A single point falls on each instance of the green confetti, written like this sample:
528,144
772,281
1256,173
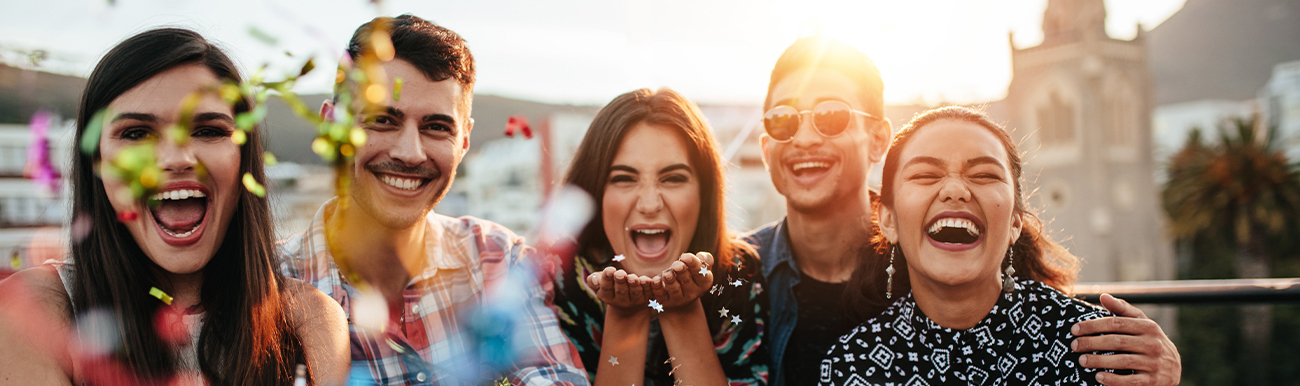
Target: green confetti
253,187
16,262
397,89
307,67
269,159
261,36
157,293
90,139
245,121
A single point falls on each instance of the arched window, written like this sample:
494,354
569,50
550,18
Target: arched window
1121,113
1056,121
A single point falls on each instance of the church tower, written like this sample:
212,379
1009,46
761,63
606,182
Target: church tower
1080,105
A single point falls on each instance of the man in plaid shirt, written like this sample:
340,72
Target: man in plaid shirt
425,293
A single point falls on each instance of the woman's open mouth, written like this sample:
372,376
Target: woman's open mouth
955,231
651,243
179,214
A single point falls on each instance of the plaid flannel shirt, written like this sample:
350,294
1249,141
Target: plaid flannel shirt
468,259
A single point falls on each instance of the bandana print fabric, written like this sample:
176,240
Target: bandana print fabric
1024,340
735,308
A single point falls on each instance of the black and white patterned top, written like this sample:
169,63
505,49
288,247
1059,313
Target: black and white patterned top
1024,340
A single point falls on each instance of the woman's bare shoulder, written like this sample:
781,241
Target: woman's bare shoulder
34,320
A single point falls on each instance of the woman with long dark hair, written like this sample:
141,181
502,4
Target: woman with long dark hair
177,262
667,292
966,285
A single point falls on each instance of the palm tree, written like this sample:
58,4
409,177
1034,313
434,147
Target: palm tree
1240,191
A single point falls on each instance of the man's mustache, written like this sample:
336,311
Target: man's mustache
396,168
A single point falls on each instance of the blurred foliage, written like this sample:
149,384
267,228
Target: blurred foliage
1228,201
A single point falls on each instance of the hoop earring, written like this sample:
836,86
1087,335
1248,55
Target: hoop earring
889,273
1008,278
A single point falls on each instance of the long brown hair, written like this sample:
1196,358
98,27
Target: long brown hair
591,164
246,337
1037,257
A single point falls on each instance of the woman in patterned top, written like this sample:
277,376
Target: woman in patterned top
973,284
636,311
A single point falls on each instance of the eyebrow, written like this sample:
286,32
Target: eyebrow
440,117
673,167
623,168
136,117
205,117
970,163
926,160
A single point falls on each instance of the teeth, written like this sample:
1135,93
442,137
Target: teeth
179,194
183,234
953,222
807,165
650,231
401,183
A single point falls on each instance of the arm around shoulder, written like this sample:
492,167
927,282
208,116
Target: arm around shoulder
34,329
320,323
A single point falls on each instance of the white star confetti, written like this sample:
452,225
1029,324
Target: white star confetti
735,319
618,258
613,360
735,283
655,305
704,270
723,312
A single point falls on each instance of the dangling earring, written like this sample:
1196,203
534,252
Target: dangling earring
889,274
1008,280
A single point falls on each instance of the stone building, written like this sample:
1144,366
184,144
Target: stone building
1080,105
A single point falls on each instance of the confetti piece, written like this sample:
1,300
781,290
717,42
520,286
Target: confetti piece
704,270
517,123
157,293
357,137
253,187
382,44
149,177
736,283
735,319
397,89
269,159
370,310
723,312
375,93
307,67
16,262
238,137
127,216
97,332
261,36
613,360
90,139
618,258
80,227
170,324
300,375
655,305
39,168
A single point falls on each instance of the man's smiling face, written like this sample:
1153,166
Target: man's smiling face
813,171
412,148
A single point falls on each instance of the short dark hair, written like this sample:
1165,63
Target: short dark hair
437,52
823,53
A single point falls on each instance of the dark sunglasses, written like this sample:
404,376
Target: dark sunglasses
830,118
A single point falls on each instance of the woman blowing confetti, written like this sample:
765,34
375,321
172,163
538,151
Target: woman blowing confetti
173,281
639,308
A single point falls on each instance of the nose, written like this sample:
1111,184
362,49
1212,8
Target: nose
174,158
806,136
408,149
649,200
954,189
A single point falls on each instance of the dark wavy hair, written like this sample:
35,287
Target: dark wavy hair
246,338
590,169
1037,257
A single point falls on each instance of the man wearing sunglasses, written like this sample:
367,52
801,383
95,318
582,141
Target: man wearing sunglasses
824,128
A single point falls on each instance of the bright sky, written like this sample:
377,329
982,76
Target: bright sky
588,51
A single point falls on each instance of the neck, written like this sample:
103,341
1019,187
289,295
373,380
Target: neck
825,241
382,257
185,289
957,307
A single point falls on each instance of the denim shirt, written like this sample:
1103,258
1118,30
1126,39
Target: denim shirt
782,274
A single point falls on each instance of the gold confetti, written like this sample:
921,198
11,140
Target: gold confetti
251,184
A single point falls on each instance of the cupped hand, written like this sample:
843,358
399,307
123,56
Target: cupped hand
618,288
684,281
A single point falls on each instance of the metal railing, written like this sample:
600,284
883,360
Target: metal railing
1234,291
